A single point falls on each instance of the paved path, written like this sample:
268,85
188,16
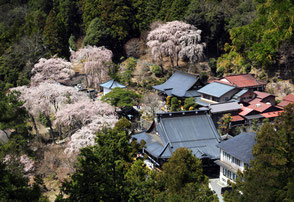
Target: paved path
215,186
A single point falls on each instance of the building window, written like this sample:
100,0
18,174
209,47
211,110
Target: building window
236,161
229,174
215,99
206,96
226,156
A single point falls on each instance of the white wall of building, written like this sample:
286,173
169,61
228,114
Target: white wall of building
233,162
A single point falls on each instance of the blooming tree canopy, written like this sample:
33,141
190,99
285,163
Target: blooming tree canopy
48,98
53,69
75,113
84,118
96,62
174,39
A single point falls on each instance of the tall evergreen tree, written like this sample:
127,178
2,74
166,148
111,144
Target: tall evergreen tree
54,36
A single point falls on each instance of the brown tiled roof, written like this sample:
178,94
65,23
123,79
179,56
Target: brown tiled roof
243,80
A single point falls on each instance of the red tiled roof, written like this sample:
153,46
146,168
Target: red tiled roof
255,101
260,107
284,104
262,95
243,80
271,114
237,118
245,111
289,98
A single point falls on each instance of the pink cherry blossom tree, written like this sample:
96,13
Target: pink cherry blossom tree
53,69
87,134
96,62
47,99
169,39
74,116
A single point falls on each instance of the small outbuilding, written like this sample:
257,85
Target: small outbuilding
109,85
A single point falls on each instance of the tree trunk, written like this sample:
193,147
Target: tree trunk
172,62
177,60
51,132
34,125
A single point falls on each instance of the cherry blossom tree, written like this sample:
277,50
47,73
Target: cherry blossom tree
74,116
87,134
53,69
74,112
192,48
96,62
47,99
172,38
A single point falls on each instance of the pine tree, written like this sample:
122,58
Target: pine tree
54,36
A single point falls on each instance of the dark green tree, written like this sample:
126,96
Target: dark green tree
55,37
182,179
98,34
101,169
13,122
174,104
118,16
145,13
121,97
190,104
15,187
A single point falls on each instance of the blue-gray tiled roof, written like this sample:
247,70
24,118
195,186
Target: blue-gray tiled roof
242,92
216,89
193,131
178,84
240,146
111,84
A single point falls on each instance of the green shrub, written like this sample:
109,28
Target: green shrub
131,63
212,65
220,71
174,104
203,77
156,70
190,103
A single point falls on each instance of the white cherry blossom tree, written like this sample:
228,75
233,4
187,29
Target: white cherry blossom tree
96,62
52,70
175,39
